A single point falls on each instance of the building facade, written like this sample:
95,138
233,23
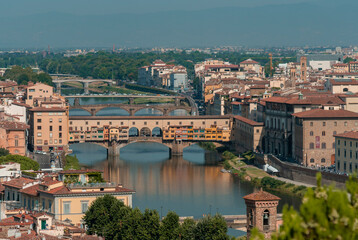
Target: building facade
13,137
346,152
314,135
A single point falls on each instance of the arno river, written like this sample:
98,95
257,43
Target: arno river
191,185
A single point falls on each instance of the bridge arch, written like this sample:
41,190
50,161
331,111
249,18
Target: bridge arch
141,111
112,111
79,112
157,132
133,132
145,132
179,112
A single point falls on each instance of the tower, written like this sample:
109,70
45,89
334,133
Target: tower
261,212
271,66
303,63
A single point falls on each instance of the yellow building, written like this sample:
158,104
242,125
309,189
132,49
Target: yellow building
68,199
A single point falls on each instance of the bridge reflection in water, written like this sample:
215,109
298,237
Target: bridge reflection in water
191,185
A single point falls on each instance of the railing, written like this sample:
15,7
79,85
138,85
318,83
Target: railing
90,185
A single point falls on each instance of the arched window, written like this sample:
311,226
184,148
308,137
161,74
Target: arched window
323,160
323,133
266,218
311,145
345,89
312,160
251,217
311,133
334,132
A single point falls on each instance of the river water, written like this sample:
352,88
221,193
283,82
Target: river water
191,185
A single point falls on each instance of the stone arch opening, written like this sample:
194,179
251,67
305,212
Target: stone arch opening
79,112
112,111
157,132
179,112
266,218
149,111
145,132
133,132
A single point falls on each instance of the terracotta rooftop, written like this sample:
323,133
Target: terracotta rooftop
351,135
64,190
13,125
320,113
43,109
248,121
261,196
18,182
31,190
249,61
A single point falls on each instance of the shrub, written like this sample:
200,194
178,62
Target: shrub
25,162
270,182
299,188
228,155
71,162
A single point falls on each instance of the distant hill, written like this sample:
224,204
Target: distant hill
295,24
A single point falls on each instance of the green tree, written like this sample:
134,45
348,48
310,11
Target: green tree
211,227
187,228
169,229
348,60
151,223
25,162
104,216
4,152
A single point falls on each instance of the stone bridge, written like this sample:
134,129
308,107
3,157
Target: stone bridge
131,109
176,147
85,82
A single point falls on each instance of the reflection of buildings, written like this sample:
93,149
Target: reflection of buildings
172,177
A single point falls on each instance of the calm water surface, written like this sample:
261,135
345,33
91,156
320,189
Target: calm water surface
191,185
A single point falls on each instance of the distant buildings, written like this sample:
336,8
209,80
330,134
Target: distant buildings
160,74
346,152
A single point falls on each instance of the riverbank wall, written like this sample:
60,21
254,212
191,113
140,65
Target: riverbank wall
300,173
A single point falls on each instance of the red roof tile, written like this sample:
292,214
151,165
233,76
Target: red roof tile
248,121
351,135
261,196
18,182
31,190
13,125
320,113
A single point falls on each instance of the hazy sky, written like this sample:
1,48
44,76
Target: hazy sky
147,23
24,7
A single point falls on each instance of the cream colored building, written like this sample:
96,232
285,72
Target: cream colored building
346,152
38,90
49,129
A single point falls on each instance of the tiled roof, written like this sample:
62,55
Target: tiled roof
249,61
43,109
261,196
8,125
351,135
63,190
18,182
348,82
320,113
248,121
31,190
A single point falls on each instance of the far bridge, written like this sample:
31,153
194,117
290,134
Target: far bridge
85,82
132,108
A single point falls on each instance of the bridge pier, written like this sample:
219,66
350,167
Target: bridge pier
114,149
86,87
131,100
165,112
77,102
177,148
93,112
131,112
58,88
